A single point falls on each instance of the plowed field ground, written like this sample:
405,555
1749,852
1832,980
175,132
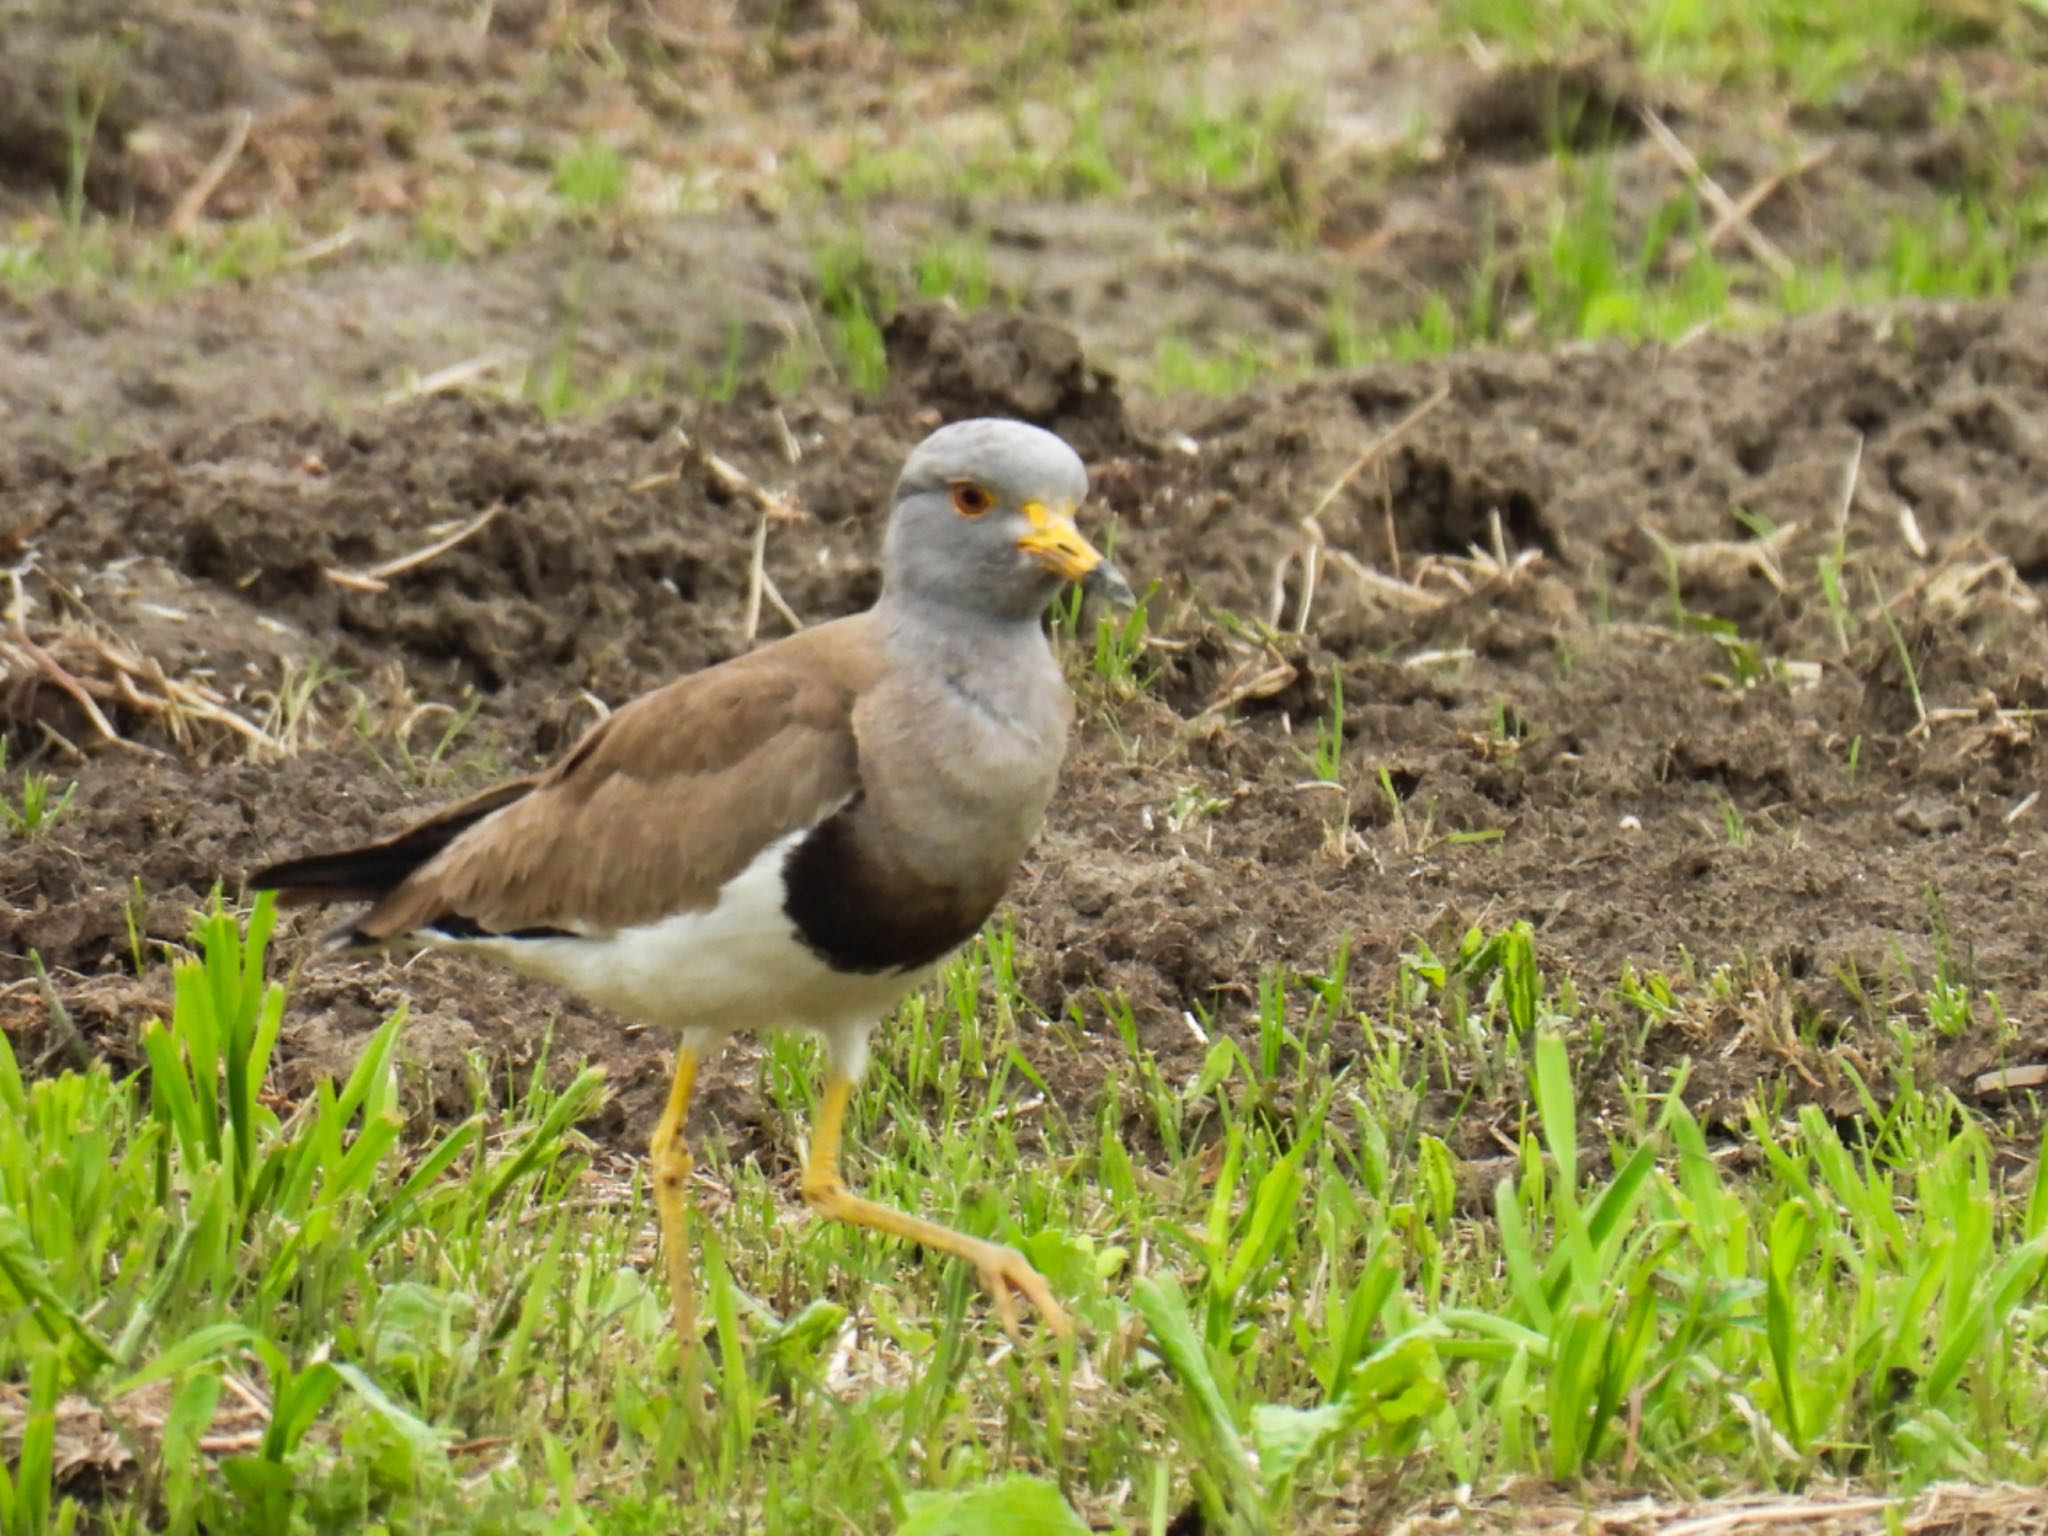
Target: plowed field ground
1527,1012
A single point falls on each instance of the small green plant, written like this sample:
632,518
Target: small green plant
39,804
1902,651
1586,283
954,268
1192,804
1948,1003
552,384
238,1230
1831,566
854,299
292,717
1118,662
591,177
1326,759
1397,809
1747,666
1180,367
1733,827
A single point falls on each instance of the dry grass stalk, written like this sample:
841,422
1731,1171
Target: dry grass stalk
757,580
97,1440
189,207
1715,558
378,577
1852,475
1262,672
734,481
1763,191
178,699
1374,584
23,655
454,376
1377,448
96,669
761,585
1759,244
1310,546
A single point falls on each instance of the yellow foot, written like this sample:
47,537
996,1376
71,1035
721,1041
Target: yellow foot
1005,1271
1007,1274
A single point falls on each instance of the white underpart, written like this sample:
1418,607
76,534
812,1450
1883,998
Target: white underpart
706,975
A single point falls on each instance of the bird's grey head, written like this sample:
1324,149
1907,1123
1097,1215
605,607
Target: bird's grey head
984,523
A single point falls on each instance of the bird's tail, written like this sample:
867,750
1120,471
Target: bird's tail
372,871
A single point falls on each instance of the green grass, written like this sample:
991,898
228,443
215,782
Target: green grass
1811,47
857,291
31,809
1326,759
1124,119
1183,367
855,298
39,256
591,177
1591,272
401,1325
1114,667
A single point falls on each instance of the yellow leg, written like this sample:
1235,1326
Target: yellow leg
1003,1270
670,1155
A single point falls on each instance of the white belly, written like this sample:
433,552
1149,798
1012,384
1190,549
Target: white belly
738,966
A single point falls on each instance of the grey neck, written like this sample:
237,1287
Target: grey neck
987,654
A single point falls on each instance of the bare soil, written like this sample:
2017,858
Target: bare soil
1556,703
1409,168
1515,588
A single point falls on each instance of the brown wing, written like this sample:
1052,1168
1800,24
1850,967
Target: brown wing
374,869
655,809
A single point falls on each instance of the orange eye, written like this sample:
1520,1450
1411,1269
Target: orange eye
969,499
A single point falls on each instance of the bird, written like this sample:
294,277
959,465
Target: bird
792,839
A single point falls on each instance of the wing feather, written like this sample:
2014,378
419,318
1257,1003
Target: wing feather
651,814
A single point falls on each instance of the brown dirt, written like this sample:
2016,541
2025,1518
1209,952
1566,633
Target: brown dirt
185,473
1412,169
1560,706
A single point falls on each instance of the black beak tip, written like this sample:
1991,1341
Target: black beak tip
1106,581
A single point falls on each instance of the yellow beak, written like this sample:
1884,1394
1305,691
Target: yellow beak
1057,544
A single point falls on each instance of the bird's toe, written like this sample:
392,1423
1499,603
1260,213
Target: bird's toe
1007,1275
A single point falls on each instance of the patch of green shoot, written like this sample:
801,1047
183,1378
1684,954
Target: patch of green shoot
1118,661
1326,759
953,268
135,918
1746,664
1948,997
1809,48
1590,280
1284,1284
1192,804
1181,367
591,176
1901,650
36,803
1733,827
1397,809
1831,566
854,300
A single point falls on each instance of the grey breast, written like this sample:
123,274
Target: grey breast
958,762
